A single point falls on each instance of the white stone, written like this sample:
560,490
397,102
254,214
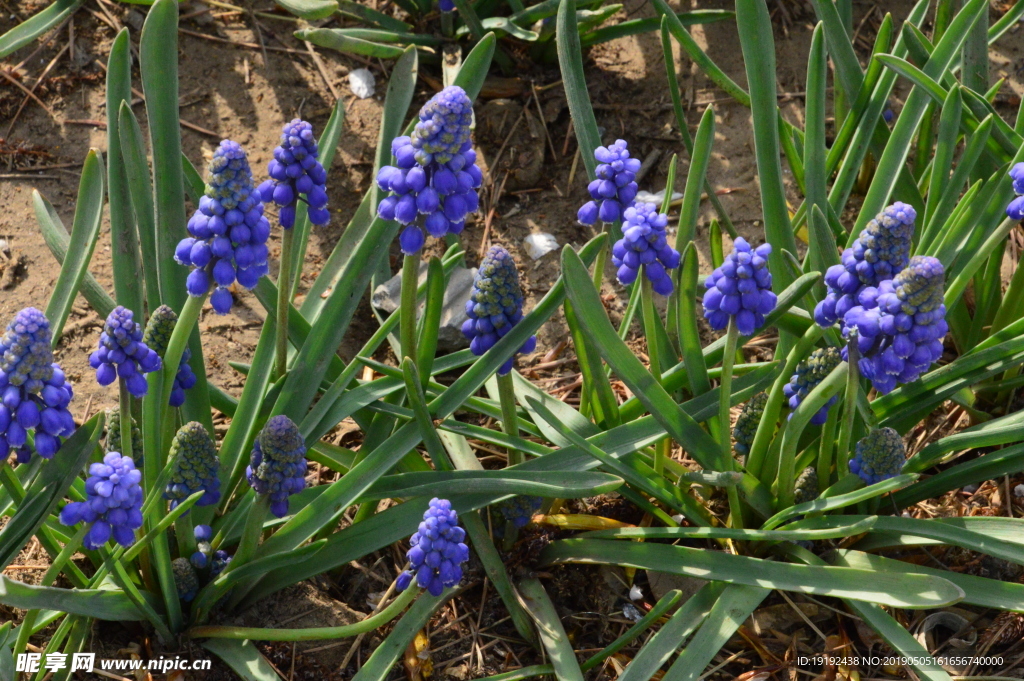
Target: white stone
539,245
362,83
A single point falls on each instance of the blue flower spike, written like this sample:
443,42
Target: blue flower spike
186,582
879,253
34,392
156,337
228,233
746,423
809,373
900,324
741,288
277,467
644,244
495,306
437,550
1015,210
880,456
519,510
296,170
123,354
113,505
194,466
615,188
433,184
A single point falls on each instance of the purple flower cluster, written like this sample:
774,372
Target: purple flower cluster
435,177
644,243
194,466
900,325
1016,208
741,288
880,456
294,170
228,233
122,353
437,550
34,393
495,306
615,188
277,466
879,253
157,335
113,504
809,373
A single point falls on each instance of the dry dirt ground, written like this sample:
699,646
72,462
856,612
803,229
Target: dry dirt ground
231,88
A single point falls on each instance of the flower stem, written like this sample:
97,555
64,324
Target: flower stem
125,404
316,633
447,24
251,532
653,351
284,287
724,428
407,320
849,409
602,259
176,348
509,417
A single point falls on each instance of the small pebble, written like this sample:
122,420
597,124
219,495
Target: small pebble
635,593
1018,491
539,245
362,83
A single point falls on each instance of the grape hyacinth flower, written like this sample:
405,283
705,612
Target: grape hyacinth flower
880,456
644,243
34,393
435,177
615,188
900,325
294,170
228,232
741,288
219,562
746,423
156,337
203,534
495,306
113,441
879,253
186,582
278,464
122,353
806,488
809,373
194,466
437,551
446,5
1016,208
519,509
113,504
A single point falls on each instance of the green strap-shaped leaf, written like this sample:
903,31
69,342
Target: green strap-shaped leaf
334,39
552,633
140,194
909,591
310,10
638,26
597,327
383,659
40,23
243,657
988,593
99,603
570,61
58,240
758,44
84,231
124,237
157,46
730,610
